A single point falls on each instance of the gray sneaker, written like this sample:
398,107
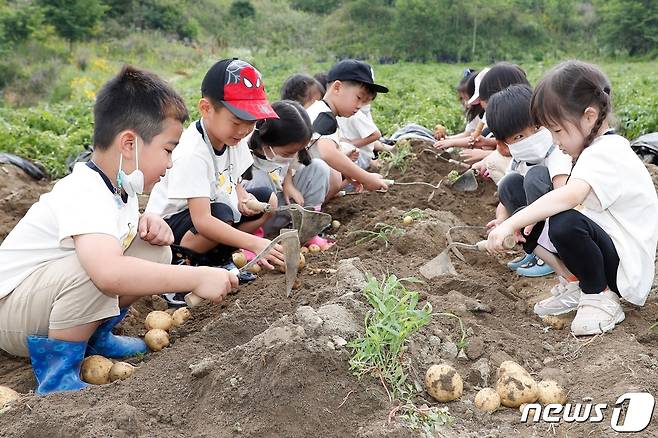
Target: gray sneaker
564,299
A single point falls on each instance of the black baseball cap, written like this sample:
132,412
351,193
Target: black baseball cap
238,86
358,71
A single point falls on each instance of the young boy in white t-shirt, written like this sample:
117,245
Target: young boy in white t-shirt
360,132
201,197
350,86
82,254
537,167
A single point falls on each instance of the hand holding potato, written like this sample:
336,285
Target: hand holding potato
214,284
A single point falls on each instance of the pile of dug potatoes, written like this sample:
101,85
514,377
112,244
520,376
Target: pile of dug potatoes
514,388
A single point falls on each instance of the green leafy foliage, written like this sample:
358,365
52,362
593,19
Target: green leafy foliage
394,317
242,9
74,20
383,233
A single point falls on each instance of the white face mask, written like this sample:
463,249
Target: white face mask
133,183
278,159
532,149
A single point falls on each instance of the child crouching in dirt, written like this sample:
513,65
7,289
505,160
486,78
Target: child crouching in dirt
537,167
282,163
610,245
202,197
82,254
350,86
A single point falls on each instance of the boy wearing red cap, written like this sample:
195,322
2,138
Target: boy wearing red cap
201,197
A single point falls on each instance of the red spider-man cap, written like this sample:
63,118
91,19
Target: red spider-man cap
238,86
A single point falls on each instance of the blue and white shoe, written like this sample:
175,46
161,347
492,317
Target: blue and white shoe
521,260
537,268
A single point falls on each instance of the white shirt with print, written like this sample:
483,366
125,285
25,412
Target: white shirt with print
199,172
79,203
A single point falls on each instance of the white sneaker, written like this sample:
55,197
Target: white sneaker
565,298
597,313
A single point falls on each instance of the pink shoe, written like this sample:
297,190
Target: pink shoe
259,232
248,255
323,243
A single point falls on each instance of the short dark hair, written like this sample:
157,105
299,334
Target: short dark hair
298,87
134,99
501,76
292,126
321,78
567,90
508,111
474,110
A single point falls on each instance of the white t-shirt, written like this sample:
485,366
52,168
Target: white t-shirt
470,126
623,202
359,126
199,172
277,172
79,203
319,106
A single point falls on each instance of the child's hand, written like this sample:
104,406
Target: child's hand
374,181
497,236
480,167
274,257
493,224
154,230
242,206
290,193
354,155
213,284
471,155
442,144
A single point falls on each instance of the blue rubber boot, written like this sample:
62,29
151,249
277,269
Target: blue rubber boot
56,364
106,344
521,260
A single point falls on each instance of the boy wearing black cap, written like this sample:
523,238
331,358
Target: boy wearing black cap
201,197
351,85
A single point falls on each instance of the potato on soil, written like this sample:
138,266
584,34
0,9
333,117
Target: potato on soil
121,371
158,320
300,265
255,269
180,316
487,400
443,383
551,392
96,370
156,339
335,225
407,220
239,259
515,386
313,248
7,395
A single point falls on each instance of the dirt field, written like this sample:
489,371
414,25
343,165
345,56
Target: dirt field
263,365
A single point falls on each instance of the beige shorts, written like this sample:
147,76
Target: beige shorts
60,295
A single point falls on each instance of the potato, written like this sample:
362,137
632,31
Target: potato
121,371
180,316
551,392
304,250
407,220
158,320
239,259
515,386
156,339
439,131
7,395
443,383
96,370
300,265
335,225
487,400
255,269
313,248
555,322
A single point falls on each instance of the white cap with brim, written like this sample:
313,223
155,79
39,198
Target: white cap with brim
478,80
